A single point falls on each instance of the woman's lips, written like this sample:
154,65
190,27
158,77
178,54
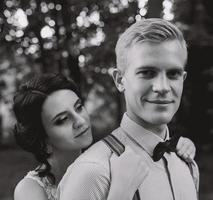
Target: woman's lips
81,133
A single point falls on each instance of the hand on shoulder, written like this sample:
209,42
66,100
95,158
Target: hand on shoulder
186,149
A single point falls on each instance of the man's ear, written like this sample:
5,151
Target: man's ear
184,75
118,79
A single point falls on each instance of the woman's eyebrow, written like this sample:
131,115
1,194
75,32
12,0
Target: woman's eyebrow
78,101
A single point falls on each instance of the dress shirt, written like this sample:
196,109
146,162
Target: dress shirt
88,178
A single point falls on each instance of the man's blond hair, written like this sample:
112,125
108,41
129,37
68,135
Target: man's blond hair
154,30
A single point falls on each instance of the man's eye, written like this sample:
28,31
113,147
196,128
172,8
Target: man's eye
175,74
147,73
61,120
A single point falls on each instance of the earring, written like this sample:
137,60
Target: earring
121,88
49,149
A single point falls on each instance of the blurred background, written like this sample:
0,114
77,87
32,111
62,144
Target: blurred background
77,38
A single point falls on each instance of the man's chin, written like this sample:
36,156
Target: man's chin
162,120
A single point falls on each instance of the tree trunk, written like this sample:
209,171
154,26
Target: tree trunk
75,73
154,8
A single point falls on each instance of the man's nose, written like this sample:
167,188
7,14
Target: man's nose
79,121
161,84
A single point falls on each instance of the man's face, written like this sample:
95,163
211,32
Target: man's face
153,81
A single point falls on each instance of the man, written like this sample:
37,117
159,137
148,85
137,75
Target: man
151,55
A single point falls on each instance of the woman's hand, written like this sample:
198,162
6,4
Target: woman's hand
186,149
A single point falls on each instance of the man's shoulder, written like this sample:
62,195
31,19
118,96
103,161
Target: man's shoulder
89,172
96,156
99,152
90,165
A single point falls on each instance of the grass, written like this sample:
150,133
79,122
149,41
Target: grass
14,164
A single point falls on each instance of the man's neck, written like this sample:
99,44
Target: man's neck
159,130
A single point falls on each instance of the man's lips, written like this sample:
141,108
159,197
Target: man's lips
162,102
82,132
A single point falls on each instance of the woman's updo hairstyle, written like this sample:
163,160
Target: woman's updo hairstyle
29,131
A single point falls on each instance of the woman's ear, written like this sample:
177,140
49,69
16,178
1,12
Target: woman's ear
118,79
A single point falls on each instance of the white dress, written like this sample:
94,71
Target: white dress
49,188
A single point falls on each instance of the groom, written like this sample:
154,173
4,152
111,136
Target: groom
151,56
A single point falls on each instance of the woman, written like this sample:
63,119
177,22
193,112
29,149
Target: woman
54,126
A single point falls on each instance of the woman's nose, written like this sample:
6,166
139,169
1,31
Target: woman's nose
79,121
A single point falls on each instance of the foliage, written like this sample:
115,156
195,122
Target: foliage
77,38
195,18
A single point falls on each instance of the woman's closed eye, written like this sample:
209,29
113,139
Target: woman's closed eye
61,120
79,107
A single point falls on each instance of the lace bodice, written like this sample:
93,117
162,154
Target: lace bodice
49,188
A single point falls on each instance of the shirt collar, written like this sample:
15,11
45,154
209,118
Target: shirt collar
145,138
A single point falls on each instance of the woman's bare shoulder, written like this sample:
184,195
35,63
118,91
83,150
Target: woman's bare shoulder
29,189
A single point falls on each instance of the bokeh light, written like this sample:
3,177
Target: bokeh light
168,10
58,7
47,32
20,19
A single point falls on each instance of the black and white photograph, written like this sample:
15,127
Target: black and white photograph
106,100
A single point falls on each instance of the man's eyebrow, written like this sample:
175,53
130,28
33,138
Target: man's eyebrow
153,67
145,67
177,69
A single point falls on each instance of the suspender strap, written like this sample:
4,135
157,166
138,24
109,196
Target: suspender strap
117,147
195,175
114,144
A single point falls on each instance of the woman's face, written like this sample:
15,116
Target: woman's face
66,121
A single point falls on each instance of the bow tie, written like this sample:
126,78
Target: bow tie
167,146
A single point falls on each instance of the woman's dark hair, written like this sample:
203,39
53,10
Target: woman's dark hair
29,131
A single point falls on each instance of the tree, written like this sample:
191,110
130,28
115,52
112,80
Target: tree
76,38
155,8
195,20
